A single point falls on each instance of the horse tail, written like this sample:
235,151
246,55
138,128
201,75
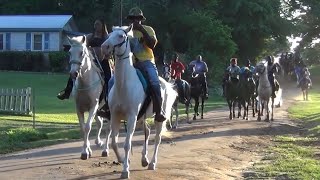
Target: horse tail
170,96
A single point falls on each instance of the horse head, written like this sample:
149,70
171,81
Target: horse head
117,42
78,52
261,68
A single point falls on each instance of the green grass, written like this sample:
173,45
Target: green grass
56,120
45,86
297,157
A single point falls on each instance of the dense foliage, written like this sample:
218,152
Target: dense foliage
217,29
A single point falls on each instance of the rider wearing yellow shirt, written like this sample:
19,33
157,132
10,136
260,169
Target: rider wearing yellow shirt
142,44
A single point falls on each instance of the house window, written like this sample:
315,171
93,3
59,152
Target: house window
37,42
1,42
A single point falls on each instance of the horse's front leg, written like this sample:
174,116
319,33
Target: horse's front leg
267,111
105,151
157,141
253,107
202,107
99,122
144,158
246,112
176,110
272,104
115,127
82,130
240,103
233,108
196,106
259,104
187,111
230,108
131,125
87,152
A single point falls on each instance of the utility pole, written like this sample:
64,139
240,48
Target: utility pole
120,12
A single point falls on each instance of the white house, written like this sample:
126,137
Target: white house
34,32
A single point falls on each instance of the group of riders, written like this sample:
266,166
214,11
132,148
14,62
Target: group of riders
142,45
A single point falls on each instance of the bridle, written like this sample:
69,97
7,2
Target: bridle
79,62
126,40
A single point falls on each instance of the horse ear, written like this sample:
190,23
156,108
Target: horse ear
83,39
129,28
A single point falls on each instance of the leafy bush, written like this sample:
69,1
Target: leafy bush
21,61
58,61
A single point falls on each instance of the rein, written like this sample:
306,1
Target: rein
119,45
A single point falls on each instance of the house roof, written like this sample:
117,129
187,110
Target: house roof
33,22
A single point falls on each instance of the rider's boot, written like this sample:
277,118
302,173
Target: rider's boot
157,104
65,94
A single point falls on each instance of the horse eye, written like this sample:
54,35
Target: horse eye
121,36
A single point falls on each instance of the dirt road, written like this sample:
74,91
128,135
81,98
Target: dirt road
212,148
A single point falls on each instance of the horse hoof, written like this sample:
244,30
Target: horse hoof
125,175
201,117
189,122
145,163
259,119
152,166
194,118
98,143
266,120
84,156
174,127
105,154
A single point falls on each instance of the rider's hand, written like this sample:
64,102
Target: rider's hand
137,26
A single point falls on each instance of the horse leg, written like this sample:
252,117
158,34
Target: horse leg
196,106
239,108
187,111
253,107
82,128
267,111
202,107
157,141
176,110
259,104
87,152
99,122
144,158
307,92
105,151
233,109
246,112
131,125
230,107
115,127
272,103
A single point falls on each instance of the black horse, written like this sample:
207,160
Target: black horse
247,93
197,93
232,86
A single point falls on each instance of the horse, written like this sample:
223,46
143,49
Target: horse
246,93
186,93
232,95
264,91
88,85
126,97
305,85
197,93
166,72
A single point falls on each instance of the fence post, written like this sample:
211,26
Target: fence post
33,109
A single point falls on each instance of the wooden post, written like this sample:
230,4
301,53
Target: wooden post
33,108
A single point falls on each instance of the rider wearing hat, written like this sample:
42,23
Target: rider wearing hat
142,44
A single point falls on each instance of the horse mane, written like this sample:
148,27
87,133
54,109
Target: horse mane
130,33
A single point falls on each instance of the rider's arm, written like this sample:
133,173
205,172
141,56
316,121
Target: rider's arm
149,35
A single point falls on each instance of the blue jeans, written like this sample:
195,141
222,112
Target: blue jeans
149,70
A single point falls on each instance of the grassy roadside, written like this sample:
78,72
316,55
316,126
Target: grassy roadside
298,156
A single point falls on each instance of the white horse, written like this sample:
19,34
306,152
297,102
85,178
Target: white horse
88,85
264,91
127,96
175,105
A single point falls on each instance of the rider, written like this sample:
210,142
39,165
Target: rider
94,40
305,74
143,42
177,68
272,68
248,66
201,68
232,73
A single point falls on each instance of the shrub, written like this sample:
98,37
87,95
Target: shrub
58,61
21,61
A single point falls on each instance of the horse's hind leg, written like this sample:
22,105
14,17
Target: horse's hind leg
187,111
233,109
272,109
307,94
105,151
131,125
176,110
144,158
157,141
196,107
253,107
99,123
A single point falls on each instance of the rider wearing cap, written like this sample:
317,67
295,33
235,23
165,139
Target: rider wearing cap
272,68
